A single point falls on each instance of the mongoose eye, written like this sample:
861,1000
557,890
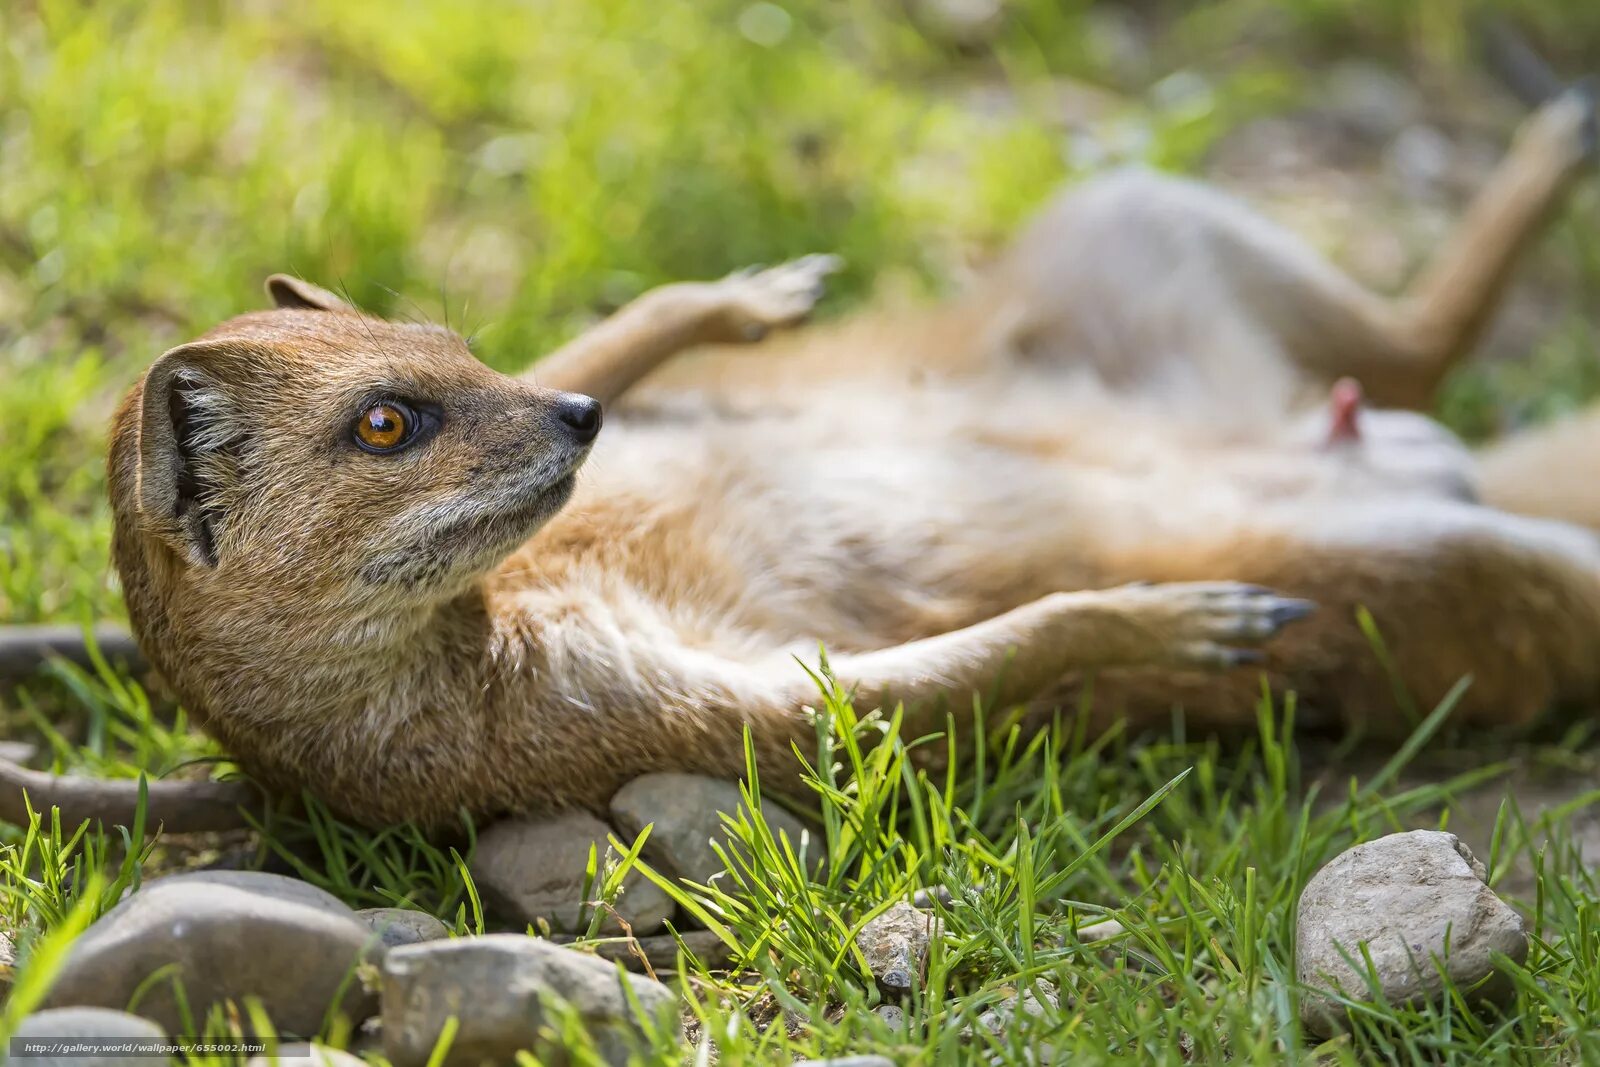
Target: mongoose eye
385,427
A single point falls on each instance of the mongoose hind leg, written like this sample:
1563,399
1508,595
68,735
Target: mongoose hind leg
1455,590
1447,306
1170,288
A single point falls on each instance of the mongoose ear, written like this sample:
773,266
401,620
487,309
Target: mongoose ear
287,292
190,434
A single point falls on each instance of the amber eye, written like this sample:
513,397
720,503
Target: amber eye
384,427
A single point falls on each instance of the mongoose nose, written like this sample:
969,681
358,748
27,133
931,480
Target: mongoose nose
581,414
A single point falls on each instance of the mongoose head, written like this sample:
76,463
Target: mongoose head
314,474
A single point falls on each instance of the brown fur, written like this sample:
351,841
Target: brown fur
951,502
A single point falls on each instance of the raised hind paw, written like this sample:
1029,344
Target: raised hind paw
751,302
1565,128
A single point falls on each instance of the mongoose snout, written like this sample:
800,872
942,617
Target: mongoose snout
581,414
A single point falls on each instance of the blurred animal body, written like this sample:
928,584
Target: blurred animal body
373,567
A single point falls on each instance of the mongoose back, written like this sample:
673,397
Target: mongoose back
376,569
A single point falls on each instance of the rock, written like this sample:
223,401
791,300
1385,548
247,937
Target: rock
533,869
402,926
228,935
1370,100
8,962
21,753
1422,158
892,1014
1033,1000
1104,930
86,1025
1037,1000
895,945
686,812
661,950
963,24
931,896
301,1054
492,984
848,1061
1406,897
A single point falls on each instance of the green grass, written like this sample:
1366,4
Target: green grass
520,171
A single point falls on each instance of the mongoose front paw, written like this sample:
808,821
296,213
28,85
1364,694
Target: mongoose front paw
1216,625
753,301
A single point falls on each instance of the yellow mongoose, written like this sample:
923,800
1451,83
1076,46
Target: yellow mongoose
372,566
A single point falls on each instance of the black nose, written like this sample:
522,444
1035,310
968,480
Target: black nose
581,414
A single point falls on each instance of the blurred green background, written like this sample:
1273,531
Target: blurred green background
519,168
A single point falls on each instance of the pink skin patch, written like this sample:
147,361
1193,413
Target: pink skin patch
1345,408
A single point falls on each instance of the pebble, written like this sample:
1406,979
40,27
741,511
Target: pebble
82,1023
892,1014
1405,896
1104,930
229,934
895,945
533,869
1035,1000
302,1054
492,984
8,962
19,752
685,810
1371,100
1422,158
402,926
662,950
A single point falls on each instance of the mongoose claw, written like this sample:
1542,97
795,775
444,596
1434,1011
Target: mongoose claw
755,301
1219,617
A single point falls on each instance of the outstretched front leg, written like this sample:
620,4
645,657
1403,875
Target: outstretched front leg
688,707
1016,656
741,308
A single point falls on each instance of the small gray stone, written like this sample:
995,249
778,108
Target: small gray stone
686,810
895,945
533,869
1103,930
930,897
848,1061
8,962
88,1023
492,985
226,935
402,926
893,1014
661,950
1036,999
1408,897
302,1054
19,752
1370,99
